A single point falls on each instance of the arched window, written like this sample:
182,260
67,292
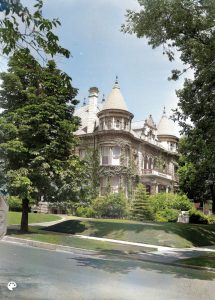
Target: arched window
150,163
145,162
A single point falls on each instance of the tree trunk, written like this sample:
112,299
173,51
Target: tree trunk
24,221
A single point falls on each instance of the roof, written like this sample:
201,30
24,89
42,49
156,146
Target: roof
166,126
115,100
150,122
137,124
83,113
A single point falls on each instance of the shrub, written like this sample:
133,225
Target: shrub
162,201
198,217
141,206
110,206
15,203
167,215
211,219
86,212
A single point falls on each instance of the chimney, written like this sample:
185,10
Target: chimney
93,103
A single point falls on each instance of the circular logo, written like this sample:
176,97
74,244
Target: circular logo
11,285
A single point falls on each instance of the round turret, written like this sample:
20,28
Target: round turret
114,114
166,133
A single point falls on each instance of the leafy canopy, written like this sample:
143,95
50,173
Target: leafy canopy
187,27
21,27
36,130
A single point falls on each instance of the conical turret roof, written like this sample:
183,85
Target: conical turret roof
165,126
115,100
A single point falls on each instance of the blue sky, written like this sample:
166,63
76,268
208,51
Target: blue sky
91,31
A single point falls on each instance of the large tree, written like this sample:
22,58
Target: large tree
21,27
187,27
36,132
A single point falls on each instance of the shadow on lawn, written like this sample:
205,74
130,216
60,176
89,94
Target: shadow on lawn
196,234
125,266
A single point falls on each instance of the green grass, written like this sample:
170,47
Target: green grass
206,260
15,218
36,234
163,234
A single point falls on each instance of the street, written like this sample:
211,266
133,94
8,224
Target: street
45,275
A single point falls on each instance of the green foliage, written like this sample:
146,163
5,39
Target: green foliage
162,201
110,206
15,203
140,206
187,27
90,180
36,131
166,206
211,219
194,176
166,215
86,212
21,28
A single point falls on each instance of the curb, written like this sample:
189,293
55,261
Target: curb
45,245
195,267
68,249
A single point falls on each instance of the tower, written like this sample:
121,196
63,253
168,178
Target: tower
114,114
166,133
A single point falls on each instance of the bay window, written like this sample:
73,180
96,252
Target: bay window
110,155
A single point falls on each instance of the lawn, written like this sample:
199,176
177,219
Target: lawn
15,218
37,234
206,260
163,234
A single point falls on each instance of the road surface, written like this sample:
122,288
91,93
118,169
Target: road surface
49,275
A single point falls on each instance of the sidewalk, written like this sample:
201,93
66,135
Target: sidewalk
164,255
160,254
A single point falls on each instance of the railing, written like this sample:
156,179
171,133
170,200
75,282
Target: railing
156,173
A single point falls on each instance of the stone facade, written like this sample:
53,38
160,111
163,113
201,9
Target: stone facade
129,151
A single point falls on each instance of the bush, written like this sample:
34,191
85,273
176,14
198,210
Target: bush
211,219
110,206
167,215
162,201
197,217
86,212
15,203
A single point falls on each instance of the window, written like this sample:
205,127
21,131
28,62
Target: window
106,155
150,163
104,185
110,155
115,184
171,146
109,124
101,125
82,153
118,123
116,156
145,163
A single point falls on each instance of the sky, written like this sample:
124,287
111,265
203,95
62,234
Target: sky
100,51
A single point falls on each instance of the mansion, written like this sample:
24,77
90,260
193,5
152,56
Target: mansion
129,151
